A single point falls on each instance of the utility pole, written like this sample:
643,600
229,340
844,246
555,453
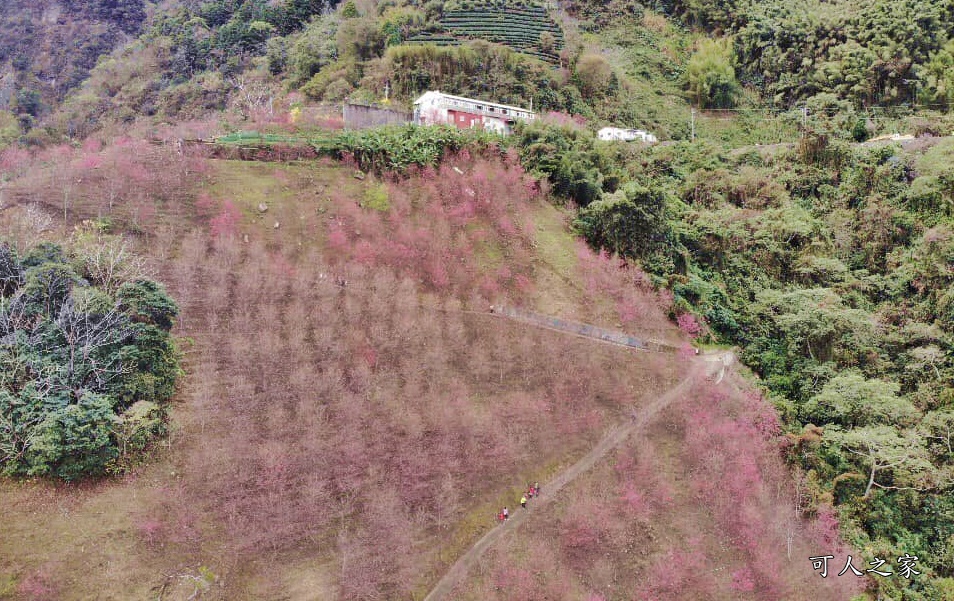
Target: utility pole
692,124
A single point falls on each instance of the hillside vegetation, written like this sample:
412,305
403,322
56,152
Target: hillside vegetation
621,62
49,47
870,52
831,266
273,461
352,414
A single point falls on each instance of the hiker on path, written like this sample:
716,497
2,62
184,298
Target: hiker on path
506,514
523,501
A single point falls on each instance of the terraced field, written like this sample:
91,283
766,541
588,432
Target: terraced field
519,27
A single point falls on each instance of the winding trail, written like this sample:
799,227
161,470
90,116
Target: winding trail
709,365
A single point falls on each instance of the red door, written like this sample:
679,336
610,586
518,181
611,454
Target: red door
465,120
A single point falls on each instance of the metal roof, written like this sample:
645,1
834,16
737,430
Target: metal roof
474,100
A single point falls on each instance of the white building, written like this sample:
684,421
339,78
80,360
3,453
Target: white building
626,135
438,108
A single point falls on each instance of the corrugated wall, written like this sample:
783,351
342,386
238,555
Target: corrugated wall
361,116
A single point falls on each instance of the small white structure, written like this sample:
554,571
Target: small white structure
616,134
435,107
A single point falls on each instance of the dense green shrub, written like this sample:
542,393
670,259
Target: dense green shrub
224,34
630,221
395,148
871,53
84,375
578,167
710,76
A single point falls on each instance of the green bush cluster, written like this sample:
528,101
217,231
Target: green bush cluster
579,167
396,148
710,76
86,365
631,221
224,34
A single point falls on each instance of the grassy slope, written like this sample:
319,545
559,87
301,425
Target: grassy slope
650,55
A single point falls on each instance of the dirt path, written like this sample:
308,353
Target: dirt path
709,365
582,329
589,332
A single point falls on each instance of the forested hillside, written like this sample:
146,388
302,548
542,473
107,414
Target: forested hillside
48,48
870,52
832,267
608,58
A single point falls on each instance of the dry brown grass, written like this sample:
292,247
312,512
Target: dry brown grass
655,22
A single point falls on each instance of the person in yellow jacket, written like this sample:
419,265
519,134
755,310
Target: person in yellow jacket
523,501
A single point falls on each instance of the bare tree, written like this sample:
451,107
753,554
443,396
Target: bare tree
927,356
11,275
13,317
110,263
884,449
939,426
252,95
25,224
88,337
